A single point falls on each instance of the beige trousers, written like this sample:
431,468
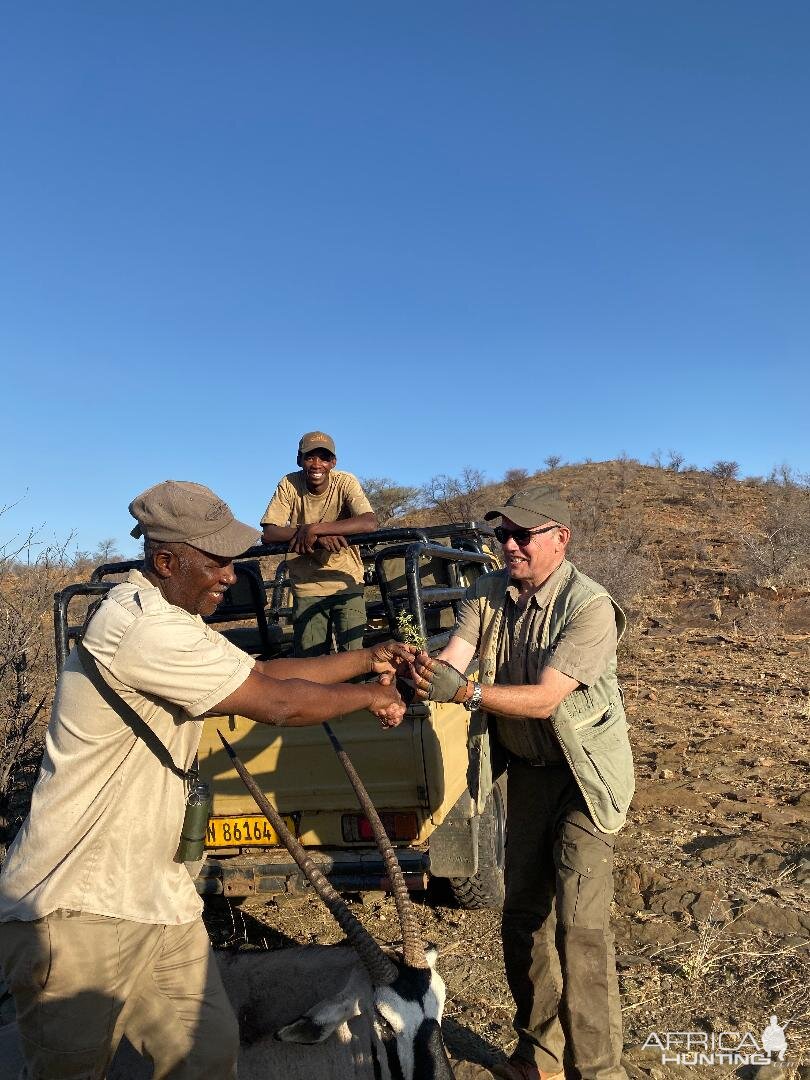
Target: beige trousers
80,982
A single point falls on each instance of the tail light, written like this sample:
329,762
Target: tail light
356,827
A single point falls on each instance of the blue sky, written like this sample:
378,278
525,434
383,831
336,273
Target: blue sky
450,234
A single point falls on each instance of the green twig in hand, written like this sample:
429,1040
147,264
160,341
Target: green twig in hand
409,632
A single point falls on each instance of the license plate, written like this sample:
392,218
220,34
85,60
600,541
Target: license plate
252,830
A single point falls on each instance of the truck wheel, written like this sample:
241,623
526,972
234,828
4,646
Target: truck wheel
485,889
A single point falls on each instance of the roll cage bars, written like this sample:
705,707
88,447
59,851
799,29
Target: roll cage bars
465,555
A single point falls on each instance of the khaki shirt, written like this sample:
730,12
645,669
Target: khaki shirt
324,572
583,650
106,814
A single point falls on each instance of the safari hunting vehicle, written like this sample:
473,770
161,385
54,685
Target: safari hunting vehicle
416,774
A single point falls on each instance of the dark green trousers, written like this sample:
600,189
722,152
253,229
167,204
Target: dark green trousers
557,942
316,619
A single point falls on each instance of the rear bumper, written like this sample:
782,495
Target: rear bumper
270,873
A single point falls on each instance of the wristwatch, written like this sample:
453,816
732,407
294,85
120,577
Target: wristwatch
473,702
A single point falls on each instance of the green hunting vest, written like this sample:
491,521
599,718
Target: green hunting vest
589,723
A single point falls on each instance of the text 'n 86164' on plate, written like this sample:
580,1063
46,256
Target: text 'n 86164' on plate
251,830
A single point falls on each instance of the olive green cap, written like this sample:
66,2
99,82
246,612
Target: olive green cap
534,506
316,440
180,512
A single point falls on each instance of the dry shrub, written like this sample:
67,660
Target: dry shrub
619,566
515,479
389,500
778,552
591,509
720,476
611,554
30,574
627,470
676,460
457,499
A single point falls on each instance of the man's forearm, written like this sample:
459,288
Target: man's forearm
346,526
300,703
282,534
278,534
335,668
534,702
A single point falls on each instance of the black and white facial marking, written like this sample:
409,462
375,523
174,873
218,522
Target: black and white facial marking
412,1006
408,1021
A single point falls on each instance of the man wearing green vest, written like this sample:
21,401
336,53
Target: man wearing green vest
546,636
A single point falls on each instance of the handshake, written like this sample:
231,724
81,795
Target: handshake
418,677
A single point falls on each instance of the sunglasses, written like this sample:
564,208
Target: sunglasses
520,536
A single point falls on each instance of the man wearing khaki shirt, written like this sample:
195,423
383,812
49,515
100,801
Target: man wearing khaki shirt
314,510
546,637
100,927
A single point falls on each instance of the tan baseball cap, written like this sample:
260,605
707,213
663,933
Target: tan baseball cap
316,440
178,511
534,506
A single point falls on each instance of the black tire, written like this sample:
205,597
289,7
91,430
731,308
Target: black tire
485,889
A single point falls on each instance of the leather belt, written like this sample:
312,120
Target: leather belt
538,762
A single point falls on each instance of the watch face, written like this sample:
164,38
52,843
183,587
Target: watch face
475,699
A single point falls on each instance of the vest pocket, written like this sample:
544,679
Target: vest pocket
607,749
594,733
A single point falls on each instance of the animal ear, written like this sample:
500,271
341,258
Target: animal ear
323,1019
431,955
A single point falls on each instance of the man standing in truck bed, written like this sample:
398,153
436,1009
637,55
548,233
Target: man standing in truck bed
314,510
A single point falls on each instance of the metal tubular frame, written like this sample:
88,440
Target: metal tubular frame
417,593
412,543
63,632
